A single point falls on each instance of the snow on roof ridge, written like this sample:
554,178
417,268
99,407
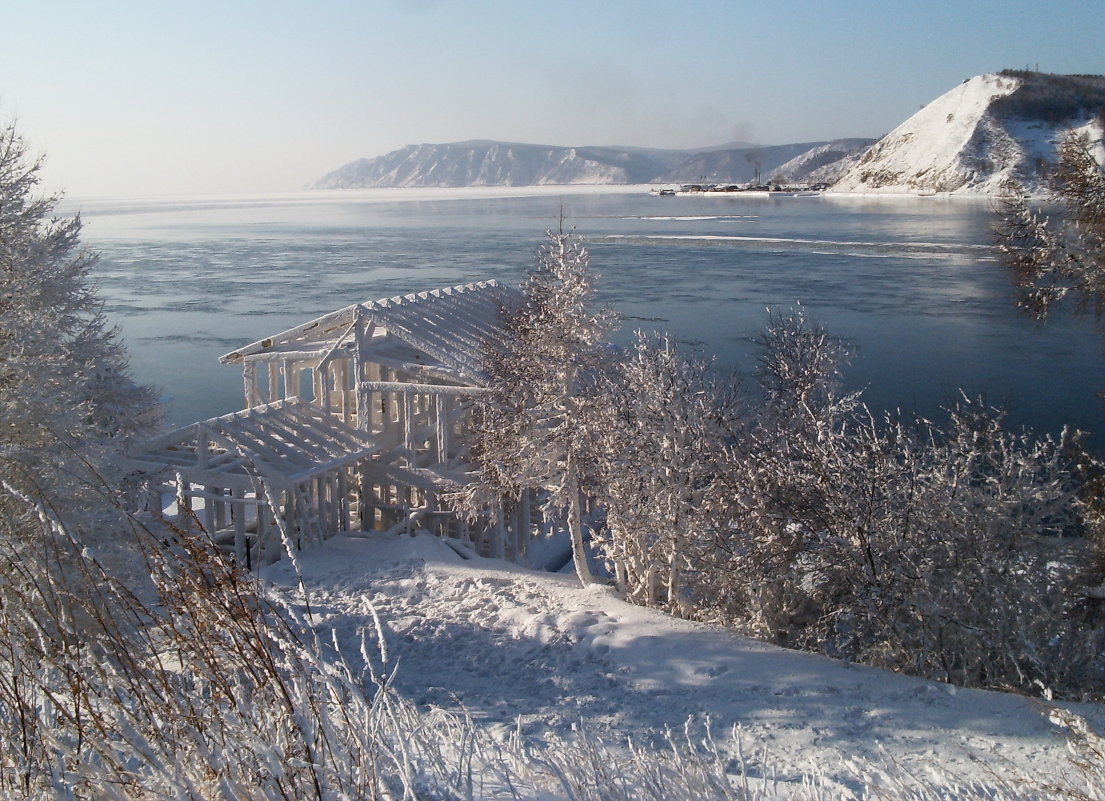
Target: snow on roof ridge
414,297
340,316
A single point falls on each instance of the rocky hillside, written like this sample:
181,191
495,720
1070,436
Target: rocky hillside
986,130
483,163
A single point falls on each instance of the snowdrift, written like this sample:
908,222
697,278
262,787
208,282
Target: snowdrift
531,652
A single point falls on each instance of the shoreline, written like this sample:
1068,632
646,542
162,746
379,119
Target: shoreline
410,193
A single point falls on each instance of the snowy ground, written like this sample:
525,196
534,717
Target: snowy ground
514,646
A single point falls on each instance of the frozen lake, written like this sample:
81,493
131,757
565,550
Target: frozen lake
911,282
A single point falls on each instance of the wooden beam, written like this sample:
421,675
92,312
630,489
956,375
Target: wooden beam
415,368
309,356
323,324
423,389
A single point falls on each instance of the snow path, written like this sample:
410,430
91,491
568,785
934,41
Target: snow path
513,646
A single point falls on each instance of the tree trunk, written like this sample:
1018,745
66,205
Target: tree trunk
575,529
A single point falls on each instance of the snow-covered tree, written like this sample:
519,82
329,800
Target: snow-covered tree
1054,258
536,428
671,423
935,550
67,403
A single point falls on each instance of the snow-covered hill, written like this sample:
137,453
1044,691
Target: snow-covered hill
534,653
986,130
483,163
825,163
497,164
969,140
789,163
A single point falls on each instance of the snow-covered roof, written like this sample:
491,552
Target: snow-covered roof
452,326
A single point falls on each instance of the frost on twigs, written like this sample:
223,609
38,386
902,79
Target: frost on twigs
537,428
956,550
67,403
939,550
1054,257
670,421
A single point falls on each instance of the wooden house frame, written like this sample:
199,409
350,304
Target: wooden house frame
352,422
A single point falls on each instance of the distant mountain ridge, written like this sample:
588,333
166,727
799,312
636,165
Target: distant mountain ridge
970,140
490,163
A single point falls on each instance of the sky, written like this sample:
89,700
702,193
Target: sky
236,96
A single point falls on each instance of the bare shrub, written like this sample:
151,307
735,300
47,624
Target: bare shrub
208,690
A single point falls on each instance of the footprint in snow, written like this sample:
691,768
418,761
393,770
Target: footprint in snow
713,671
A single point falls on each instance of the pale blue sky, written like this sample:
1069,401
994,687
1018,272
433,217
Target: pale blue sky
206,96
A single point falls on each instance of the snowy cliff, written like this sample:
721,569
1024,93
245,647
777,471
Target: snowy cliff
986,130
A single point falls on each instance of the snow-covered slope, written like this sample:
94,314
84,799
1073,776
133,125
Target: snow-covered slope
986,130
496,164
741,165
824,163
483,163
533,652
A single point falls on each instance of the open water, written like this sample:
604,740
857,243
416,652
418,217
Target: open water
910,282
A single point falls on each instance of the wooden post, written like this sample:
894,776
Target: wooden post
274,380
408,425
340,382
249,379
371,401
259,546
184,506
386,403
238,511
202,451
360,342
334,501
318,497
343,499
362,497
321,393
221,510
443,408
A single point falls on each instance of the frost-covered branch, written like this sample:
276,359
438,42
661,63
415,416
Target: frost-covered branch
1053,257
536,430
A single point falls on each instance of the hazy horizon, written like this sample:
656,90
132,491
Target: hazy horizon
136,99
